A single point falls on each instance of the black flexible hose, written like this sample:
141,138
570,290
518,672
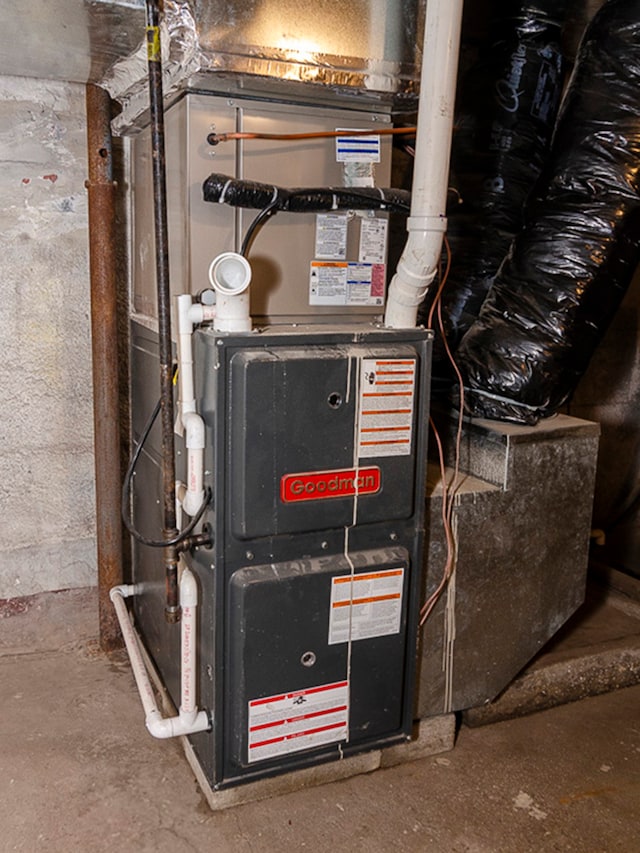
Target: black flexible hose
265,214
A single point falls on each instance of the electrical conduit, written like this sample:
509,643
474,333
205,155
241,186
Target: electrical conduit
427,222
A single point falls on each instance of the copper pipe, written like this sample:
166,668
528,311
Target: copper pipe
102,261
217,138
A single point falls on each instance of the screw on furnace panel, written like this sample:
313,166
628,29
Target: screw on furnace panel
249,555
308,659
393,536
324,545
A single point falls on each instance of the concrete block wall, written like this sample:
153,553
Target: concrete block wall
47,536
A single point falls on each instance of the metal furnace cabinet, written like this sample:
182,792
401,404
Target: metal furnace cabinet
309,595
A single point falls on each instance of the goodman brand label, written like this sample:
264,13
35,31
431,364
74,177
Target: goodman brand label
319,485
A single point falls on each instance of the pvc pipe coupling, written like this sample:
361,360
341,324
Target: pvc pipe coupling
230,276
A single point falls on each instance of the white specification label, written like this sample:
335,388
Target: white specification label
387,401
365,605
305,719
346,283
331,236
373,240
357,149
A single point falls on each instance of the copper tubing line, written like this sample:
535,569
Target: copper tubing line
215,138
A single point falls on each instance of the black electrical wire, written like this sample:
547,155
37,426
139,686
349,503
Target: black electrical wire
265,214
126,487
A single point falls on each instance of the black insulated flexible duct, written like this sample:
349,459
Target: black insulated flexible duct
568,269
507,107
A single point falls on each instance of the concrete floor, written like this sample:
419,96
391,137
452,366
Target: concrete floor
79,773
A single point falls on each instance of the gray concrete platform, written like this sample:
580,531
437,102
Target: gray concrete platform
78,772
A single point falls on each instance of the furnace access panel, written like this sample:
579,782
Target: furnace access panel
326,267
310,593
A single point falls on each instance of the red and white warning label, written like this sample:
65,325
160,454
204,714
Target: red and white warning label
387,401
346,283
365,605
291,722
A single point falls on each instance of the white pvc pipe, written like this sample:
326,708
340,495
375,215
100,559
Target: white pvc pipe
188,419
189,605
427,222
192,720
230,276
188,315
194,441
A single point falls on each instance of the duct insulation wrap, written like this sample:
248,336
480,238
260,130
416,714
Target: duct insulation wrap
568,269
238,193
363,48
507,107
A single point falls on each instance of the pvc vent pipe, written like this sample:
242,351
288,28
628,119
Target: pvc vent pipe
188,421
189,720
427,222
230,276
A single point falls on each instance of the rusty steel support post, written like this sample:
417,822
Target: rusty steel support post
101,195
154,64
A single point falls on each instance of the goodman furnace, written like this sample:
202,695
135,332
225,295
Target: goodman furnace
308,592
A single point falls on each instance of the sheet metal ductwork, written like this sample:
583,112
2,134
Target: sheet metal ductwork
568,269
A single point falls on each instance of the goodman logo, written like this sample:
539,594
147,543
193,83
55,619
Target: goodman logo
319,485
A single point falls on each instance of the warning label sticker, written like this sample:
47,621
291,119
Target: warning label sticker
387,401
305,719
365,605
346,283
373,240
331,236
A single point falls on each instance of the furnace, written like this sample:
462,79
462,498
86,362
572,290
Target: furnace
279,476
